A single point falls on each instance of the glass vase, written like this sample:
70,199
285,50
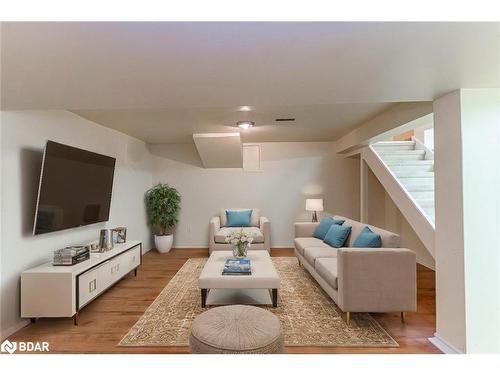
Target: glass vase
240,251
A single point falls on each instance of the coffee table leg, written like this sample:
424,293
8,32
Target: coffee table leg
203,297
275,297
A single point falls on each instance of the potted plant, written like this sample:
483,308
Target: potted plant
163,203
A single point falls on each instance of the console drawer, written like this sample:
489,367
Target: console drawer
92,283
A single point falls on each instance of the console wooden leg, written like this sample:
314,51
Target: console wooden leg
403,317
135,272
33,320
275,297
348,318
203,298
75,319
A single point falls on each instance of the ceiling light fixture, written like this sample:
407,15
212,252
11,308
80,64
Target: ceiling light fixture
245,124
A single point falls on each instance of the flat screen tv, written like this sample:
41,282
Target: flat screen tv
75,188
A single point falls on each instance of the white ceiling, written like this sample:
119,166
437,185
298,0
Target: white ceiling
161,82
312,122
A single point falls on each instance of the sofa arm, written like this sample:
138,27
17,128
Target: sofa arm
213,227
265,228
305,229
377,280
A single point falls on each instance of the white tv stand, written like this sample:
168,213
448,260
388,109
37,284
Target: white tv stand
62,291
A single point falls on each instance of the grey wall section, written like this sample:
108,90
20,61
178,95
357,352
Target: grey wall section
291,172
24,134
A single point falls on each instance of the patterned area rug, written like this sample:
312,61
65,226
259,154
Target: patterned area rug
308,315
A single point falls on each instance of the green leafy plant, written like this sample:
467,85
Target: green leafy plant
163,203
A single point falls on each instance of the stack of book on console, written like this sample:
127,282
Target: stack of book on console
237,267
71,255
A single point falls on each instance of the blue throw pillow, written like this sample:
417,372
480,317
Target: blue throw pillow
238,218
367,238
324,225
337,235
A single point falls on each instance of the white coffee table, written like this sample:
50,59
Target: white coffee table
264,275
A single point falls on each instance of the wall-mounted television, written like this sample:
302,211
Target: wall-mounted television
75,188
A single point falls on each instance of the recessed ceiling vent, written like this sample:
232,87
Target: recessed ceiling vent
284,119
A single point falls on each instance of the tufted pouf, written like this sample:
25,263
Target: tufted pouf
236,329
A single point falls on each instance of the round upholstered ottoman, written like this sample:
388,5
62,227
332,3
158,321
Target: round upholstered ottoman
236,329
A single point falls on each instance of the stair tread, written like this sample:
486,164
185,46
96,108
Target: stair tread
401,152
393,143
410,162
414,174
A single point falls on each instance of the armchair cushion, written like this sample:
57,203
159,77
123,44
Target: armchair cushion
254,217
238,218
220,235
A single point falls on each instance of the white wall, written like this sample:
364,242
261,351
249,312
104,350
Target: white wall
24,134
290,173
480,109
467,158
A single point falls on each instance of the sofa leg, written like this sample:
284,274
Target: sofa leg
403,317
348,317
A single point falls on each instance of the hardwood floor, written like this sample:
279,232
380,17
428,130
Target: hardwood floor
104,322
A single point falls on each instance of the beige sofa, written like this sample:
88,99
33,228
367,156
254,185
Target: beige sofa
260,229
359,279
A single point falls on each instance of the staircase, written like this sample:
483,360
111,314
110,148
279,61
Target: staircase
412,169
406,171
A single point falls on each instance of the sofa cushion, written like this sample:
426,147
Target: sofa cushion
327,269
324,226
254,218
367,238
220,236
312,253
238,218
302,242
389,239
337,235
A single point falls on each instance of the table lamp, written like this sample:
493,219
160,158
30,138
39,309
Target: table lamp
314,205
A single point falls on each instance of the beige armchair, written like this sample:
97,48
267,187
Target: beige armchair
260,229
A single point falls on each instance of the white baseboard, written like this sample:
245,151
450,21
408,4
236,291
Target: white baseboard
11,330
197,246
205,246
443,345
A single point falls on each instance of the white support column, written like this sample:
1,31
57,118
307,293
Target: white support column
467,186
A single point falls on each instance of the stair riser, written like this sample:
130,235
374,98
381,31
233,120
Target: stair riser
401,158
426,203
422,195
414,174
395,148
417,180
400,152
411,168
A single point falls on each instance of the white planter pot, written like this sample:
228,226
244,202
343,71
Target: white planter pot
164,243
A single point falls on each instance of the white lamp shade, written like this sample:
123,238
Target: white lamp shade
314,204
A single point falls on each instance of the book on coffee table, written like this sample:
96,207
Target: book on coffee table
237,267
